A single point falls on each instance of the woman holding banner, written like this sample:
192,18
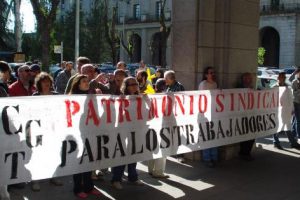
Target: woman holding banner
129,86
44,86
210,156
83,183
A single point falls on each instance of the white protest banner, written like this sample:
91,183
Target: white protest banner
48,136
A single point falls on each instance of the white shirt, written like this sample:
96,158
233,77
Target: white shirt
205,85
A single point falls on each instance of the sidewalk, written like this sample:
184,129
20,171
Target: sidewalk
272,175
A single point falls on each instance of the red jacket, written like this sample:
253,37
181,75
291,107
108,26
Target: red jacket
17,89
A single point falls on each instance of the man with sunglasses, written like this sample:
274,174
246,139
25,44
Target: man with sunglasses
22,87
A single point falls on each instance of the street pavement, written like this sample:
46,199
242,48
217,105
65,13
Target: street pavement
273,174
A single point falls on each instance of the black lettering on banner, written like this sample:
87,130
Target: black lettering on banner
28,134
101,141
252,124
164,138
151,132
260,125
176,130
5,120
272,118
133,141
265,122
237,127
211,135
64,150
87,151
229,132
220,132
189,136
245,126
201,134
14,162
119,147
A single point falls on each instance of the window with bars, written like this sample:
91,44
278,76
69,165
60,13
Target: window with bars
158,9
136,11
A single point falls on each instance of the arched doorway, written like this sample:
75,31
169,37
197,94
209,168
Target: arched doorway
156,48
270,40
137,48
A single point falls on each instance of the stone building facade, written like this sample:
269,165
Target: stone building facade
279,32
138,19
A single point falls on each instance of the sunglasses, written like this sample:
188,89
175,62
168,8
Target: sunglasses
26,70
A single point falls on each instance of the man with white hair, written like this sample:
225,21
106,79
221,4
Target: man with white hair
172,84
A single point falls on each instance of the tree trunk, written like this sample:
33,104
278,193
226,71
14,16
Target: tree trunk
18,25
45,39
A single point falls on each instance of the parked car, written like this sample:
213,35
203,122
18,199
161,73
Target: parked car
265,82
107,67
264,71
53,68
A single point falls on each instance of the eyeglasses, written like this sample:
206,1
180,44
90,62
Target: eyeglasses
26,70
132,84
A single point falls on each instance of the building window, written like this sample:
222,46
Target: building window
136,11
158,9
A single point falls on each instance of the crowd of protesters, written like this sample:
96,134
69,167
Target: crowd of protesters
32,81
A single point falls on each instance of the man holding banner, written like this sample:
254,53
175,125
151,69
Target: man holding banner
4,77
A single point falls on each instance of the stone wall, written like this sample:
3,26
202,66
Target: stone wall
286,26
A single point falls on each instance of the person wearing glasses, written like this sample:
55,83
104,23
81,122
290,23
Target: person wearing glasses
210,156
129,86
22,87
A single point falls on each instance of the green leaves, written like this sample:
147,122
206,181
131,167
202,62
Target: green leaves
260,55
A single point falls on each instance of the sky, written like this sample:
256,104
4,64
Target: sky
29,21
27,17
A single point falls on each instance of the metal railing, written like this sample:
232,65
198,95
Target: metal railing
280,8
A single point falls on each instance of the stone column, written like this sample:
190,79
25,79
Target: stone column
219,33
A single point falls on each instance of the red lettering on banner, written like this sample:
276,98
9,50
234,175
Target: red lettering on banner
123,104
71,112
139,102
167,104
153,112
107,103
178,103
265,96
191,105
202,103
258,101
92,114
231,102
219,102
241,100
250,100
